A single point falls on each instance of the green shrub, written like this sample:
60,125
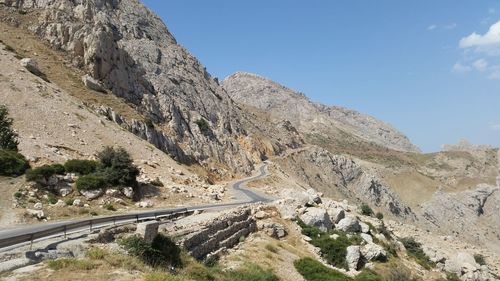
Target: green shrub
44,172
51,199
161,253
198,272
368,275
8,137
69,201
82,167
249,272
58,169
452,277
379,215
109,207
332,250
366,210
88,182
479,259
117,167
384,231
161,276
18,195
414,249
12,163
313,270
203,125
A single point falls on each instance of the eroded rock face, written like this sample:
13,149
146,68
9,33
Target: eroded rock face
317,217
352,257
126,49
310,117
341,176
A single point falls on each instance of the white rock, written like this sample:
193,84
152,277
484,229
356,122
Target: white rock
367,237
112,192
77,203
91,194
260,215
60,203
364,227
373,252
128,192
38,206
39,214
317,217
461,263
336,214
352,257
144,204
92,84
349,224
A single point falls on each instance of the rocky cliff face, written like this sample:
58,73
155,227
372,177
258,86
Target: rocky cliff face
340,176
131,53
309,117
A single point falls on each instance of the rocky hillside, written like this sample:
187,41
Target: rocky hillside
126,50
309,117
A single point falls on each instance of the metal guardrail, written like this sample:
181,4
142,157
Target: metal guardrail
64,228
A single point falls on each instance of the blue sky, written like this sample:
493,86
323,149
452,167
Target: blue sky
430,68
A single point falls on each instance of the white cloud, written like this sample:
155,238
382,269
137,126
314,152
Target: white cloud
432,27
495,74
451,26
491,37
460,68
480,65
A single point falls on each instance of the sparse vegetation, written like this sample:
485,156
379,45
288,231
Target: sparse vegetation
82,167
71,264
69,201
313,270
332,250
366,210
12,163
379,215
161,253
479,259
398,273
249,272
109,207
203,126
18,195
8,137
43,173
414,249
89,182
51,199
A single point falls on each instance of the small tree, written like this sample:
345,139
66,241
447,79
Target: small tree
8,138
117,167
366,210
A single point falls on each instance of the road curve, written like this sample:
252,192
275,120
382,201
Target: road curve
238,186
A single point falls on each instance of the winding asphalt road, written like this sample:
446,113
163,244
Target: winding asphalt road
13,236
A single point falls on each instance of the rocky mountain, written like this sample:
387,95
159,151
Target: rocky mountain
127,50
309,117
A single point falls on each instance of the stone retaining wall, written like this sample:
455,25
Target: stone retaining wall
224,232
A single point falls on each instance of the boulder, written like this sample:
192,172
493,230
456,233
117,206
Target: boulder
144,204
60,203
364,227
352,257
31,65
92,83
461,263
112,192
372,252
147,230
314,197
336,214
77,203
367,237
39,214
38,206
260,215
348,224
317,217
128,192
275,230
63,189
92,194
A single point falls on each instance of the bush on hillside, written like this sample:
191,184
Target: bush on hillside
116,167
44,172
12,163
82,167
89,182
250,272
8,137
161,253
415,250
366,210
313,270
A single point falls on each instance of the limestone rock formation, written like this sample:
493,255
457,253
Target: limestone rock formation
311,117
